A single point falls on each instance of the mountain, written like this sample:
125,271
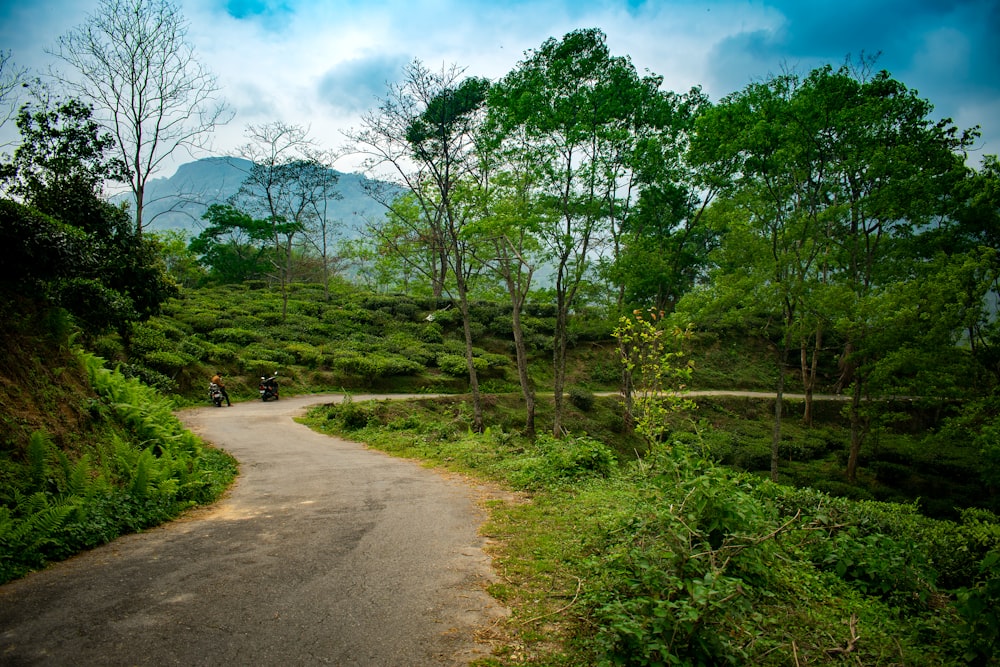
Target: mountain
179,201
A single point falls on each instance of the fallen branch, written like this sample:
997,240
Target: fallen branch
852,643
579,585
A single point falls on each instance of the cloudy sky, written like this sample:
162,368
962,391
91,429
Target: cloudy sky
319,63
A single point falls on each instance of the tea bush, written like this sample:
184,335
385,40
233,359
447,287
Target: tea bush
234,335
581,398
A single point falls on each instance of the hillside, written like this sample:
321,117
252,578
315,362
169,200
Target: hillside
178,201
360,342
86,455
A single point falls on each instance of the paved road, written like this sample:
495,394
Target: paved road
323,553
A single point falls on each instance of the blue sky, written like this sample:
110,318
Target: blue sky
319,63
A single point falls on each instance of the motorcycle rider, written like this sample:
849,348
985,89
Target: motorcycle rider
217,379
269,386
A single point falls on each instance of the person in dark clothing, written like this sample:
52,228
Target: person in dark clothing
217,379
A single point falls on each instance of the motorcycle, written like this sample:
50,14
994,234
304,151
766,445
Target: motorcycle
215,394
269,387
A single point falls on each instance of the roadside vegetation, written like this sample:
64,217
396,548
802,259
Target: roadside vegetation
89,455
619,554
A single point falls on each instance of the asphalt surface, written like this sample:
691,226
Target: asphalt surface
324,552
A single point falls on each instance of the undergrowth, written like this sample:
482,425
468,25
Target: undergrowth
138,468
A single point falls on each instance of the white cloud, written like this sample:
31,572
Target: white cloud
318,63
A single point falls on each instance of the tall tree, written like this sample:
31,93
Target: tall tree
322,236
133,62
510,219
832,172
656,200
425,132
234,245
895,171
574,103
59,169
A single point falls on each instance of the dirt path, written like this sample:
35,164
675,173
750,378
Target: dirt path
324,552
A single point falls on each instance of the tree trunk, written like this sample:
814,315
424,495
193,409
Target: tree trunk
477,402
140,194
628,401
527,390
559,370
857,434
779,399
809,371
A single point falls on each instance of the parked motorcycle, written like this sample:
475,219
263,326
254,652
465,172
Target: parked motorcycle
215,394
269,387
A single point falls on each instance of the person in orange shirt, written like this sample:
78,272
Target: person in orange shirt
217,379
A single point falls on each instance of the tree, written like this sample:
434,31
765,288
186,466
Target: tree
179,259
135,65
832,174
288,184
895,170
767,141
656,200
425,131
574,104
510,219
11,78
60,169
322,237
62,156
234,245
650,352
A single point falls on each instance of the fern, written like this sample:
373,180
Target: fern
80,480
24,541
140,481
39,446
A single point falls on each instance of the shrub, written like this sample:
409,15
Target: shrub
200,322
234,335
305,354
167,362
271,355
376,365
555,462
431,332
581,398
453,365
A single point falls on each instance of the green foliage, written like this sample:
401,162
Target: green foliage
39,251
376,365
456,365
140,469
235,335
548,462
581,398
676,560
979,607
649,353
234,245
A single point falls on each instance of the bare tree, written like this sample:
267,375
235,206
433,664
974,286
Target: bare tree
288,184
11,78
135,65
323,231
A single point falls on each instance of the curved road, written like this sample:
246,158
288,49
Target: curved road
324,552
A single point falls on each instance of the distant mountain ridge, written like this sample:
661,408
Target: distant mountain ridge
178,202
